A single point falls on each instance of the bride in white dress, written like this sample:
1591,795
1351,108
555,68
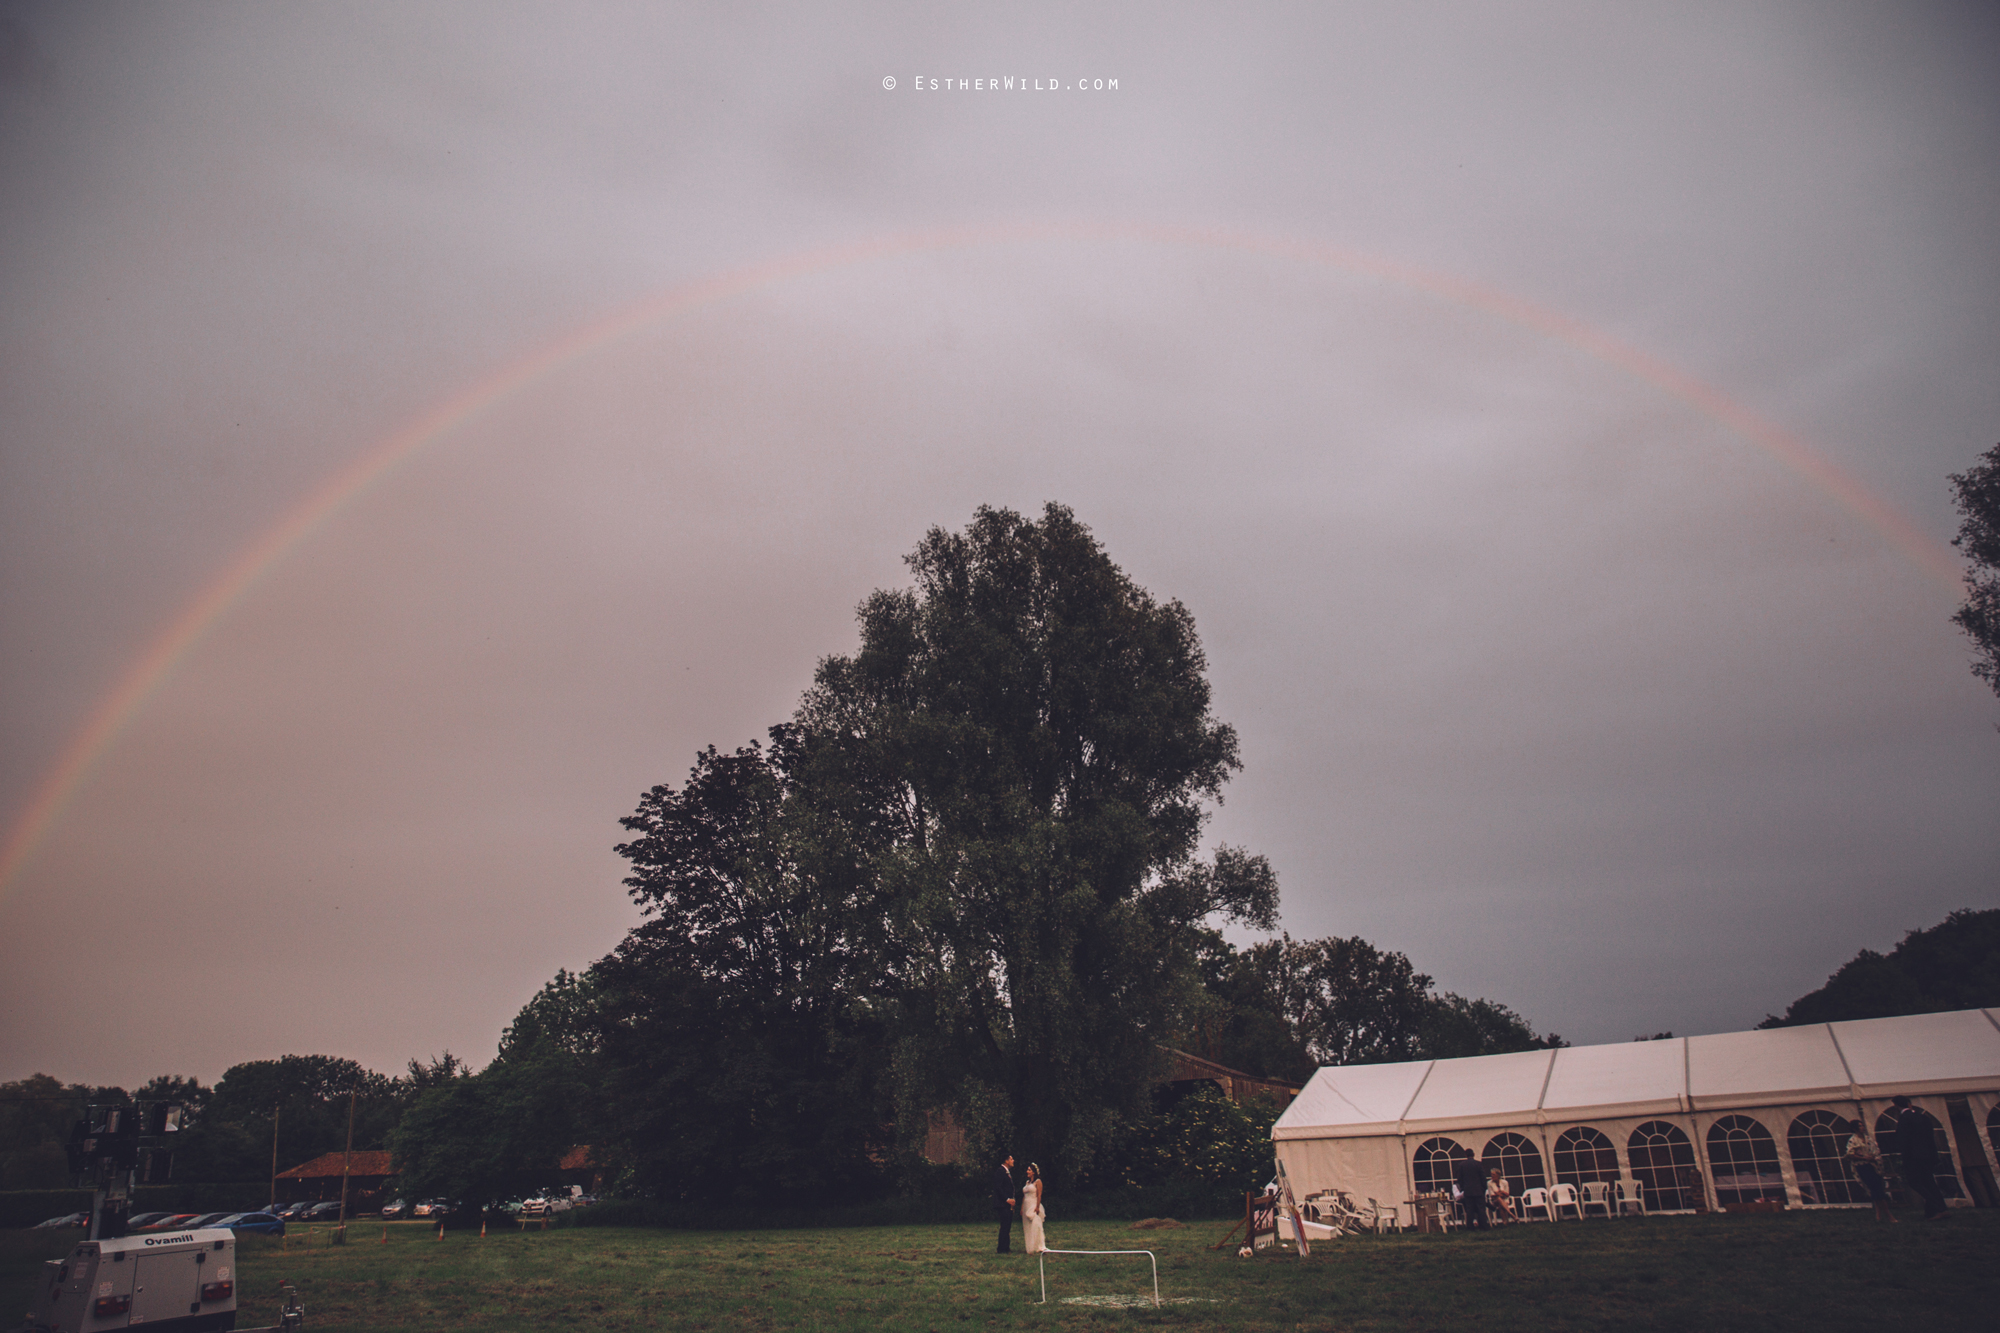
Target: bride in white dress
1031,1211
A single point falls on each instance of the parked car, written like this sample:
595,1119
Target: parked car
262,1224
138,1220
205,1220
395,1208
292,1212
433,1208
170,1221
66,1220
322,1212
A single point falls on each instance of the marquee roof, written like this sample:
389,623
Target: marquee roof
1877,1057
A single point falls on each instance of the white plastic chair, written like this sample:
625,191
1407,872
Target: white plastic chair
1533,1201
1631,1195
1354,1218
1561,1196
1386,1219
1596,1194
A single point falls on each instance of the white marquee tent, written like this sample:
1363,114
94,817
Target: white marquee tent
1695,1121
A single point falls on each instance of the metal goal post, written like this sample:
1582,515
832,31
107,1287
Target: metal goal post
1042,1267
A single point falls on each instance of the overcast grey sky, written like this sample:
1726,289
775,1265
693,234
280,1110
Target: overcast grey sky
1545,676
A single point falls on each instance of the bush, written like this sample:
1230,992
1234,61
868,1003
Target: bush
1201,1137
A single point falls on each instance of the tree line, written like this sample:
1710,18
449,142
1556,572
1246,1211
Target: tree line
296,1104
964,879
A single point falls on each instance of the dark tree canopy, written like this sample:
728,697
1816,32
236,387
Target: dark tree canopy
1977,492
1952,965
740,1025
1029,733
496,1134
1350,1003
973,850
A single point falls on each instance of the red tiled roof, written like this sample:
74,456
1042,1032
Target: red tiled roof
1187,1066
366,1162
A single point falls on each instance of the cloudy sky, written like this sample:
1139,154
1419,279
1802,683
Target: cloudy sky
425,425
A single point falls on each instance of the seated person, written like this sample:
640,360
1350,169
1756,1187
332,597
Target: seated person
1499,1198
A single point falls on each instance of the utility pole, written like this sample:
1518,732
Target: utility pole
274,1152
347,1162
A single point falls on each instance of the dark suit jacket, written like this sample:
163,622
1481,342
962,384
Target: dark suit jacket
1003,1190
1916,1140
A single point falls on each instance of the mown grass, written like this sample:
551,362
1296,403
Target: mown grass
1805,1271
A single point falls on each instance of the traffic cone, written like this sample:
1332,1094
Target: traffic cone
440,1231
482,1228
385,1235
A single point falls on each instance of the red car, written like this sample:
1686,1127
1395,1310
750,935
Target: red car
171,1222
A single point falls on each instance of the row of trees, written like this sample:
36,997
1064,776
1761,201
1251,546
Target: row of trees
298,1104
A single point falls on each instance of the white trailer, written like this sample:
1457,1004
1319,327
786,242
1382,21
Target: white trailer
184,1281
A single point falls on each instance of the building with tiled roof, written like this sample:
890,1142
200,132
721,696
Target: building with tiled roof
367,1171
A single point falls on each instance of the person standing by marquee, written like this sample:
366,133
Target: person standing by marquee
1470,1177
1916,1146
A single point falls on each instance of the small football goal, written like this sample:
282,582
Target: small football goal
1043,1268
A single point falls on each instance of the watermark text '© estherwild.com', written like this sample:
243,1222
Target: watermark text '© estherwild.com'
924,83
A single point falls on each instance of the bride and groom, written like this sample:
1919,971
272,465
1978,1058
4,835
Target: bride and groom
1030,1202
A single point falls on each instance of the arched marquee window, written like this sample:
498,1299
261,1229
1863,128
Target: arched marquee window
1947,1174
1518,1159
1818,1144
1663,1162
1436,1163
1582,1155
1744,1157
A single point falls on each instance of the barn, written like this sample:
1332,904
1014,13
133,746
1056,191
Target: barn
366,1172
1699,1123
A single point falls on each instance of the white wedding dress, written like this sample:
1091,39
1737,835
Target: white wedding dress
1031,1218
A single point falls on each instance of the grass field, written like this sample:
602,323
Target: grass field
1816,1271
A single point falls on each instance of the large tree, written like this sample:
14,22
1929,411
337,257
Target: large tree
1029,734
975,845
965,877
1977,491
738,1030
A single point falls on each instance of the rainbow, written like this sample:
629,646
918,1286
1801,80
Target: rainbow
143,677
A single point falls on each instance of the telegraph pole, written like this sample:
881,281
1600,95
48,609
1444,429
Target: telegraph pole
347,1162
274,1152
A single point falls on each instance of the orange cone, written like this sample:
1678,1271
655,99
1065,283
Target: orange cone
482,1228
385,1235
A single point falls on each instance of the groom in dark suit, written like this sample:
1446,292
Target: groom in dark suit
1003,1199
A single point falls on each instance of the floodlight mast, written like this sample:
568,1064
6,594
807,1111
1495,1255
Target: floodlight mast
109,1148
